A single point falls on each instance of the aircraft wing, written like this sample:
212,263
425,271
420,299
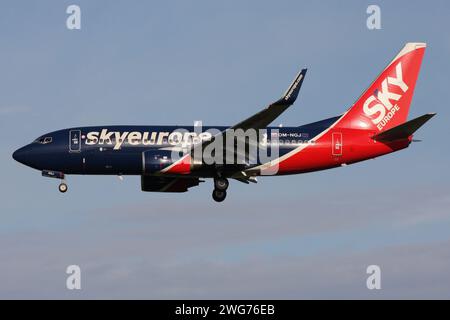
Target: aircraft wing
264,117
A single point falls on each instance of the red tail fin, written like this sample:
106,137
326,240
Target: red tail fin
385,104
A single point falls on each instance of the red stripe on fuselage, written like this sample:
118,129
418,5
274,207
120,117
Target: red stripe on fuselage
357,145
182,166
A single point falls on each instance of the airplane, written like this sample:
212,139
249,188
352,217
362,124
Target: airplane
375,125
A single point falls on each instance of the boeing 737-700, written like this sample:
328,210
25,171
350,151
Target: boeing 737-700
176,158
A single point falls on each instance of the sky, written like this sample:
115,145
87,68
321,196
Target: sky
175,62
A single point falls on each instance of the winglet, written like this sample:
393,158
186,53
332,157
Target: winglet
405,130
291,93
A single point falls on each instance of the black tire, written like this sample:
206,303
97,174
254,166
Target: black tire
219,195
62,188
221,184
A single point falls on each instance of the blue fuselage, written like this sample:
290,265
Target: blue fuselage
116,150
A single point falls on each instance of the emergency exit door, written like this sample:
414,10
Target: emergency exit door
74,141
337,144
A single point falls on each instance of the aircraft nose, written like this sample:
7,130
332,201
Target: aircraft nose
20,155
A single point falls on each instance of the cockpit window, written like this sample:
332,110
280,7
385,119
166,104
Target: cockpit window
44,140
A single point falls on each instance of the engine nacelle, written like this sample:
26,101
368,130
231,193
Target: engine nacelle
168,184
162,162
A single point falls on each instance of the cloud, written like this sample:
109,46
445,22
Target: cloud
419,271
151,250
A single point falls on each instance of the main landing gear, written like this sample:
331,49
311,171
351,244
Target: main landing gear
220,189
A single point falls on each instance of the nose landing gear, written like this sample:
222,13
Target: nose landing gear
220,189
59,175
62,187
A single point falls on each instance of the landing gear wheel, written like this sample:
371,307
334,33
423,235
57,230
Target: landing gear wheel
219,195
62,187
221,184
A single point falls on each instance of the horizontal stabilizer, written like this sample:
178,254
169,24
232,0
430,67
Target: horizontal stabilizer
405,130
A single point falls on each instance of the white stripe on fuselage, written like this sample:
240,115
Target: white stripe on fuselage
269,165
174,164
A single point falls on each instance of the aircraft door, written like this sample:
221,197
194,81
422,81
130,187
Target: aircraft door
74,141
337,144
